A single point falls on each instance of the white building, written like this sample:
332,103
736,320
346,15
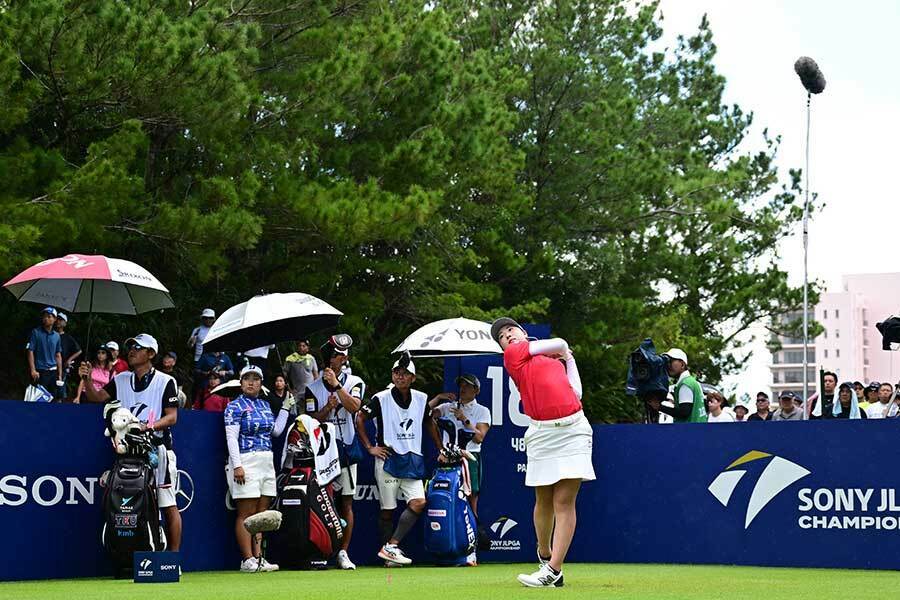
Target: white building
850,345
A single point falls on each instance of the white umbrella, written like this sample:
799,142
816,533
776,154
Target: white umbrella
451,337
269,319
232,389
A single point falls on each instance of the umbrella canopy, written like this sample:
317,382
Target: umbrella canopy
232,389
450,337
91,284
269,319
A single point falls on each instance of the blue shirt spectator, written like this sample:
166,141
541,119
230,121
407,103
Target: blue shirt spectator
214,361
255,418
45,345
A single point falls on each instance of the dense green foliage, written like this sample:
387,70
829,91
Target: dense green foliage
405,160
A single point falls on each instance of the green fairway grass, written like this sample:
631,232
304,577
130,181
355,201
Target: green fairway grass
486,582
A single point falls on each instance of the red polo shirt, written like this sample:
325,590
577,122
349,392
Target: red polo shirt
542,382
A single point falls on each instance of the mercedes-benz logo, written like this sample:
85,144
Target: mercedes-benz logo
184,490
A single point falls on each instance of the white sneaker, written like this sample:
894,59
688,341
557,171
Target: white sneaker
543,577
344,561
250,565
265,566
393,553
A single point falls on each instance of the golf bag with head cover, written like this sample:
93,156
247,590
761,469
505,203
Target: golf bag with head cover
311,529
450,526
131,520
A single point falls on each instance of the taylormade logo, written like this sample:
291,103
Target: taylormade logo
775,478
47,490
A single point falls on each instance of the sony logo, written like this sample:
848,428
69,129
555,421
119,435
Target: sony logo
46,490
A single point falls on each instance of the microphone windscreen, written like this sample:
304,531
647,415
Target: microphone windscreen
267,520
810,75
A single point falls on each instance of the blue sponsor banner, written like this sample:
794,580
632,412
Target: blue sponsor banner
156,567
816,494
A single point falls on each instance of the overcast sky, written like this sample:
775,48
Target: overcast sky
855,122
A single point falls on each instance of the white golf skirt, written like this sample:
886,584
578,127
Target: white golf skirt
559,449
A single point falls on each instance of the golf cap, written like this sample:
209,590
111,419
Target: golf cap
251,369
63,317
208,313
874,385
144,340
499,324
411,367
51,310
677,354
765,395
171,354
470,379
740,405
112,345
786,394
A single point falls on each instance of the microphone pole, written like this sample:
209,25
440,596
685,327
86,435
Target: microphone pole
814,82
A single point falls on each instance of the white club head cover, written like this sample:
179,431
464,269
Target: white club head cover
267,520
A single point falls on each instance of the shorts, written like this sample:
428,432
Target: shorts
259,476
345,483
476,472
391,489
559,449
166,477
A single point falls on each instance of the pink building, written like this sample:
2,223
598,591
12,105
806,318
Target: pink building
850,345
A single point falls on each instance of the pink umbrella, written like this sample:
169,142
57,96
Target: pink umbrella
91,284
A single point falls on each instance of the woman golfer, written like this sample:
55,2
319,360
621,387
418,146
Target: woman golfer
558,441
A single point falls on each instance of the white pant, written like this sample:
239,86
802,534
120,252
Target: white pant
346,481
391,489
259,476
166,477
559,449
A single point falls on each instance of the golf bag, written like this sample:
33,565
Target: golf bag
450,527
311,528
130,513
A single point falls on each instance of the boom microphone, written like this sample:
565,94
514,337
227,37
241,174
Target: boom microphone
810,75
267,520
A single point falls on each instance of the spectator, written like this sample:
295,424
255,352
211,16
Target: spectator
250,472
209,362
860,389
279,393
762,408
209,401
402,417
826,408
879,410
847,406
44,353
787,409
167,366
119,364
714,413
207,318
301,368
70,349
101,373
870,395
690,407
740,412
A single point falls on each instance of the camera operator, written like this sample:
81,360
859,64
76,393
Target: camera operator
689,401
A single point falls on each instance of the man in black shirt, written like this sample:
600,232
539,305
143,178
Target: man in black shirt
762,408
70,350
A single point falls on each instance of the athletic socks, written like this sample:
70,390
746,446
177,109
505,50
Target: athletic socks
407,520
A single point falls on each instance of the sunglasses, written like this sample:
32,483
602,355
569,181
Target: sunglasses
134,346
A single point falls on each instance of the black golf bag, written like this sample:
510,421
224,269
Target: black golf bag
130,513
